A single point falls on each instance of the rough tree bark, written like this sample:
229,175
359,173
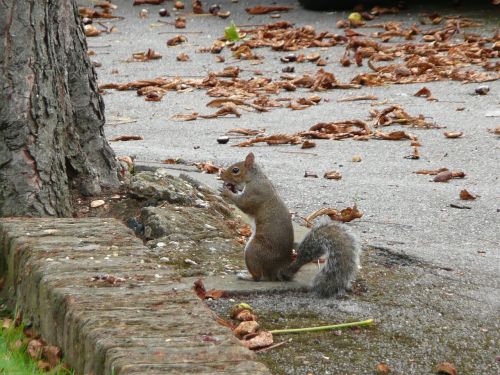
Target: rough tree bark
51,114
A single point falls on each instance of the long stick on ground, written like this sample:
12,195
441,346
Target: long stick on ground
323,328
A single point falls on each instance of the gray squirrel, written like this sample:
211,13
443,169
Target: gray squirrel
268,253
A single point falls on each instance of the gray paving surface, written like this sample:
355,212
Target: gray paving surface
403,211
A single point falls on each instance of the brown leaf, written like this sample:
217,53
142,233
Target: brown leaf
178,39
197,7
444,176
466,196
187,117
7,323
424,91
308,144
220,102
446,368
127,138
415,155
229,72
259,9
227,109
43,365
495,131
208,167
199,289
453,134
225,323
53,355
393,136
182,57
355,98
214,294
144,2
332,175
35,349
431,172
276,139
347,214
245,131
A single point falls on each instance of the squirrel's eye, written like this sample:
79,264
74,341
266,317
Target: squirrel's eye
235,170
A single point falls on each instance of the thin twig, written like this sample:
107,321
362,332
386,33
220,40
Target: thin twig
323,328
298,152
181,32
270,347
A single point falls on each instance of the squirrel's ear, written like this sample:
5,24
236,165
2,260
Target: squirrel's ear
249,160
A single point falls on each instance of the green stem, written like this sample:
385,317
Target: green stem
323,328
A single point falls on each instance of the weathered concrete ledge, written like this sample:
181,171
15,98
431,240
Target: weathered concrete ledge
53,273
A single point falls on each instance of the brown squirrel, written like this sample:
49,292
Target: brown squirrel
268,253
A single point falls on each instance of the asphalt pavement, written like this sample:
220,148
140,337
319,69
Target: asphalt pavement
404,212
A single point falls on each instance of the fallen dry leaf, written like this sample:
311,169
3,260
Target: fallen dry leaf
127,138
259,9
308,144
176,40
431,172
182,57
145,56
466,196
424,91
35,349
151,2
495,131
43,365
346,215
197,7
276,139
208,167
244,131
356,98
444,176
52,354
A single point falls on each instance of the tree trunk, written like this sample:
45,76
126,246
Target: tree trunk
51,114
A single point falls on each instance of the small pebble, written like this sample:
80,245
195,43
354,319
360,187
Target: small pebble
223,140
97,203
482,90
164,12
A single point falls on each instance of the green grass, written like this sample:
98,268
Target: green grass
13,357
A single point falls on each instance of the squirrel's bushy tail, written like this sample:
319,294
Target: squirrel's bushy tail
342,249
